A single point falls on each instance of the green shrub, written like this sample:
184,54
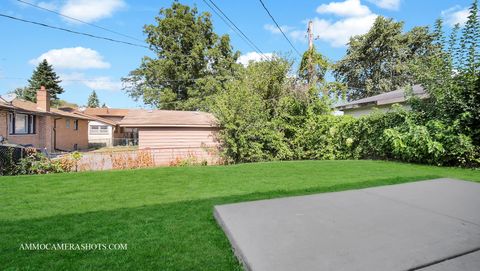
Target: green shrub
37,163
398,134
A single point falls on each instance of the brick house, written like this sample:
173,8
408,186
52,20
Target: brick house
38,125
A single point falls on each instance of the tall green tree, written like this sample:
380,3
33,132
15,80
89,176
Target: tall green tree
378,61
313,67
93,100
190,65
43,75
438,34
453,44
452,78
470,40
269,79
312,71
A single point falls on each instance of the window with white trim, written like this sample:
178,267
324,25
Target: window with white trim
75,125
99,130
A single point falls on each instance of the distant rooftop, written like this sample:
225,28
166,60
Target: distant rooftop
23,106
112,112
167,118
396,96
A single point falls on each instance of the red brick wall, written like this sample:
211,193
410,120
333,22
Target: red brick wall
43,138
67,137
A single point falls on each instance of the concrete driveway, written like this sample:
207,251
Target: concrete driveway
429,225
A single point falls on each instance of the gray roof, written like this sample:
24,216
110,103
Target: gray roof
396,96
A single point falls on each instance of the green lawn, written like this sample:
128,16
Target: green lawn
164,214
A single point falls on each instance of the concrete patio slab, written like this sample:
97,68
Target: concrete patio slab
397,227
469,262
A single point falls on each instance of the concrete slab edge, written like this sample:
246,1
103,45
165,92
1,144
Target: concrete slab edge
452,257
235,248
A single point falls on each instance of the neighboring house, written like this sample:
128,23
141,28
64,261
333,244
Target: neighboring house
174,134
104,129
382,102
38,125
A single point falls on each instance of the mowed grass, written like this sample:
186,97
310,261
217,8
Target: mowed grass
164,214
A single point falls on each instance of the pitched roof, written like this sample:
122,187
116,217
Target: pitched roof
29,107
113,112
99,119
396,96
168,118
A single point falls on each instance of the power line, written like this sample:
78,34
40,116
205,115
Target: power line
81,21
74,32
98,80
279,28
230,26
255,47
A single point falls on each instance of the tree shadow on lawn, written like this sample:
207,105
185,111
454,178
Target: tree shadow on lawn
174,236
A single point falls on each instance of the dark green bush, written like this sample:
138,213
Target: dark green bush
397,135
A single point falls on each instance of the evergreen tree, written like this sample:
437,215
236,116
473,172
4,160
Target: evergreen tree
93,101
452,44
438,35
470,41
104,105
43,75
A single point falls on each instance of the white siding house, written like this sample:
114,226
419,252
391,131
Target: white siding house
100,133
382,102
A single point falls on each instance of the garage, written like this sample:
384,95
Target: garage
175,135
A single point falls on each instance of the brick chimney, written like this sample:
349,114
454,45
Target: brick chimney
43,99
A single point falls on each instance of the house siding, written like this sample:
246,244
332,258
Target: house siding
3,124
43,137
106,139
366,110
38,140
66,138
179,143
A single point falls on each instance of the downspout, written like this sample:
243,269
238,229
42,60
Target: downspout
55,133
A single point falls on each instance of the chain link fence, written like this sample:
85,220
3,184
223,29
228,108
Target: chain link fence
9,157
112,142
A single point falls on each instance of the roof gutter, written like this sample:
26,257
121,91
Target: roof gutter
168,125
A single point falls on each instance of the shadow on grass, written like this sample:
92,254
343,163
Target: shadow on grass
173,236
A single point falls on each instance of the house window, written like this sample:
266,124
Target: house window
21,123
67,123
99,130
75,125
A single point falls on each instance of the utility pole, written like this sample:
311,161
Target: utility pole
310,35
310,52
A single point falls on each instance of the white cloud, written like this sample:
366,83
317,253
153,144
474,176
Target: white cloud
103,83
252,56
274,29
339,32
455,15
96,82
73,58
91,10
357,20
386,4
348,8
71,78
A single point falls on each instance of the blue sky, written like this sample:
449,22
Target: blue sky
86,63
